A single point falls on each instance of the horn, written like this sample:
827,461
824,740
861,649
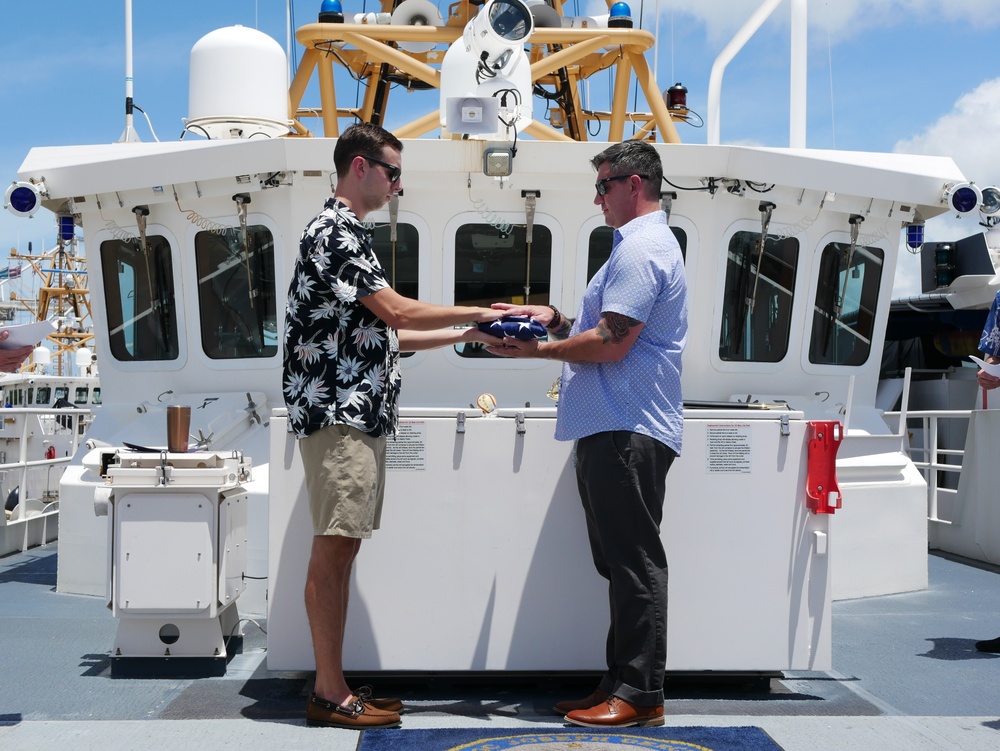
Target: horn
417,13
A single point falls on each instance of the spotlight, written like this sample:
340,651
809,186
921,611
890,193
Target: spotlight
498,161
991,201
23,199
963,197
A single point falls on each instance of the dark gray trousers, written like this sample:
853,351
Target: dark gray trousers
622,481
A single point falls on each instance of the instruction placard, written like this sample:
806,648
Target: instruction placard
728,449
408,450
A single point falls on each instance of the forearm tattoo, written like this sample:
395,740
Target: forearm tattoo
614,327
562,330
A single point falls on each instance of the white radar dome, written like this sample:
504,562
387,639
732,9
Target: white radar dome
238,85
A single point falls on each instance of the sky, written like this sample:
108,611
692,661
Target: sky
915,76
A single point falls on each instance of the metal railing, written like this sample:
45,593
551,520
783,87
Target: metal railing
931,458
29,432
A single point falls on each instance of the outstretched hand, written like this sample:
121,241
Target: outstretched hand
541,313
11,359
511,347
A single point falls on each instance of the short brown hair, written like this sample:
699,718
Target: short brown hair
362,139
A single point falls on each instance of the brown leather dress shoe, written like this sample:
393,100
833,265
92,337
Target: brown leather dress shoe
355,714
594,699
384,703
616,713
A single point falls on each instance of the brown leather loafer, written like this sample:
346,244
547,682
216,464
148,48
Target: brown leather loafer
571,705
384,703
356,714
616,713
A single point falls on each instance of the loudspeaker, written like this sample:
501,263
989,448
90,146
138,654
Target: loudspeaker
472,115
417,13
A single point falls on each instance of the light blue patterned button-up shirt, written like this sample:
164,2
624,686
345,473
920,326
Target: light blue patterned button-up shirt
643,279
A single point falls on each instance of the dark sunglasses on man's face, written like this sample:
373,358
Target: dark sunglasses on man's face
601,185
393,172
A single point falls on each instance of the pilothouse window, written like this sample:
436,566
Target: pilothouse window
400,259
757,304
601,240
846,296
236,293
139,297
497,265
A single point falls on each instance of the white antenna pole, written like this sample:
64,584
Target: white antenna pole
129,134
797,94
713,118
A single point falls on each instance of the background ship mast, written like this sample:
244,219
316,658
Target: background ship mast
62,296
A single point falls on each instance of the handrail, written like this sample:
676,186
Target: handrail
933,454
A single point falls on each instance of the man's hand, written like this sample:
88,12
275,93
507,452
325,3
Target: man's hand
511,347
987,381
11,359
541,313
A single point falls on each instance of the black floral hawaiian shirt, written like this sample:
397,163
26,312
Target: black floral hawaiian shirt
341,361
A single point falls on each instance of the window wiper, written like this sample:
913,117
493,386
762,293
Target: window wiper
855,222
242,199
765,208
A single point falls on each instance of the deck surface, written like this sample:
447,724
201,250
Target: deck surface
907,676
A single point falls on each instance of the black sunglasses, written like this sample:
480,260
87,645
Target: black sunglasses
394,173
601,185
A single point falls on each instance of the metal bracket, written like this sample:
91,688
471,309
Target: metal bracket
519,421
785,429
251,408
460,422
164,480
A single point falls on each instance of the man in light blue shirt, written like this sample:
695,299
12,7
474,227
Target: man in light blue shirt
620,400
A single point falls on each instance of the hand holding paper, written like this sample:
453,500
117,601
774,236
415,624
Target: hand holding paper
990,368
16,343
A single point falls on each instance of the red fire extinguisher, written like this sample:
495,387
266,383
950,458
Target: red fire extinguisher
50,452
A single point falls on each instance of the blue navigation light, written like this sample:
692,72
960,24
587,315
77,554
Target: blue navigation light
620,9
67,229
963,197
914,235
620,16
22,199
331,11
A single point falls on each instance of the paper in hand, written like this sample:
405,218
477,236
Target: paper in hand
26,335
993,370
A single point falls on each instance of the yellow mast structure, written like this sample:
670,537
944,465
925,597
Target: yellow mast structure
63,296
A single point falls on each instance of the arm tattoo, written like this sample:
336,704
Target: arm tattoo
562,330
614,327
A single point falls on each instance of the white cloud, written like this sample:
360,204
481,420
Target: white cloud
964,134
842,18
958,134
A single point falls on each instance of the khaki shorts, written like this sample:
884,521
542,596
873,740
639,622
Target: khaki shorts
345,480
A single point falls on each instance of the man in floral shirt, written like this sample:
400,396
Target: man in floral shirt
344,327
